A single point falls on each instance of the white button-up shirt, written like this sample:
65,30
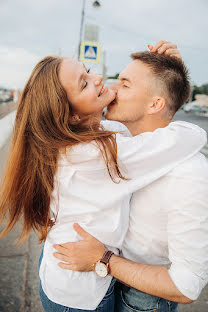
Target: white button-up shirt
169,225
84,193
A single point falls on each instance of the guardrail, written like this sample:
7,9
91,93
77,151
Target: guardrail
6,128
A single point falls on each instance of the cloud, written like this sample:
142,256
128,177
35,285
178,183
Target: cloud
16,65
40,26
45,27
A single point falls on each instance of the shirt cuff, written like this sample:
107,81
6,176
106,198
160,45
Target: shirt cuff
188,283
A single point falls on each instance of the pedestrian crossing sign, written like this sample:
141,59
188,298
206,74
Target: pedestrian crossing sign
90,52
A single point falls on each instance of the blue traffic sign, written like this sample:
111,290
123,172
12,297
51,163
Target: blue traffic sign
90,52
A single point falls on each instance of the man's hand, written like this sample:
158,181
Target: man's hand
80,256
165,47
151,279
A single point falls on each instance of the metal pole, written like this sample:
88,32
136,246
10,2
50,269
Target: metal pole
81,28
104,66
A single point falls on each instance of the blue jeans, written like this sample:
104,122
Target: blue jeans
128,299
106,305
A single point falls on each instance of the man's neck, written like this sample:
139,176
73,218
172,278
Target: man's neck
148,125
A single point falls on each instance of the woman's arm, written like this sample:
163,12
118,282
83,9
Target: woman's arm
150,155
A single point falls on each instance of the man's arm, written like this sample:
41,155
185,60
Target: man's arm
150,279
154,280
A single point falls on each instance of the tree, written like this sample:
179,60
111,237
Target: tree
114,77
203,89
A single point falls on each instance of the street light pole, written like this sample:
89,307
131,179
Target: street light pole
96,4
81,28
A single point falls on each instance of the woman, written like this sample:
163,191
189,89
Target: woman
63,167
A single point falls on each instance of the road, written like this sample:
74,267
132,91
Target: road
191,117
198,120
7,108
19,266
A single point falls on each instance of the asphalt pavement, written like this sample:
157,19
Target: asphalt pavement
19,266
199,120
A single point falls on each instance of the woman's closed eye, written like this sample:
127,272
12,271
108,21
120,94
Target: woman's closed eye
86,83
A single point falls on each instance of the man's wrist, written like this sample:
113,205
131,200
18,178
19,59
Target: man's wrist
101,267
112,262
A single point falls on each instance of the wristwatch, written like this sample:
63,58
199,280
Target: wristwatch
101,267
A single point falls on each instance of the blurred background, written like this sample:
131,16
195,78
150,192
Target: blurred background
101,34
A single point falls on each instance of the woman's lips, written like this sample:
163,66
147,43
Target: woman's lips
105,91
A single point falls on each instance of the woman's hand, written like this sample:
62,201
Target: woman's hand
82,255
165,47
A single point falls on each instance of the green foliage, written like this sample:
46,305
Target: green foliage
114,77
203,89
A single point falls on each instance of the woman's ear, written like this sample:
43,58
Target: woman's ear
75,119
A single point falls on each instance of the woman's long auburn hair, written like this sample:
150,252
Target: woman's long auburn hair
43,127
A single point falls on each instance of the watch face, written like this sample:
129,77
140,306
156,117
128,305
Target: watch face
101,269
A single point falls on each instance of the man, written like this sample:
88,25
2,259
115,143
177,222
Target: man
165,254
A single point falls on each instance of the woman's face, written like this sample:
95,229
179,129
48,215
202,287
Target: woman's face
85,90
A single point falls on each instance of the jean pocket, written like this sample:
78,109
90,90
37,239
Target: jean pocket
110,289
139,302
108,294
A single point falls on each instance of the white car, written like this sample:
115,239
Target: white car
189,107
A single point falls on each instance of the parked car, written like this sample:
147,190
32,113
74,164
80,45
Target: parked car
189,107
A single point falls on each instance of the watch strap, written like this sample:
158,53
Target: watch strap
106,257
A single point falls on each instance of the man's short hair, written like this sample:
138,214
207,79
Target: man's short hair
171,74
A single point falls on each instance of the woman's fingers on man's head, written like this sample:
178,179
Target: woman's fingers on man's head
165,47
150,47
158,45
162,45
173,52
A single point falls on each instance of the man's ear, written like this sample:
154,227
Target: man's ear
157,105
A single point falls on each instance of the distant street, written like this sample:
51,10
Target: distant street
7,108
191,117
201,121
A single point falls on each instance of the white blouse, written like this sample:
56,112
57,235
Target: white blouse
84,193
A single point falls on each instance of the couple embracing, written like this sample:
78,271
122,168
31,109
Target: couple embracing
118,199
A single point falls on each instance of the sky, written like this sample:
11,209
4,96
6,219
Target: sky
32,29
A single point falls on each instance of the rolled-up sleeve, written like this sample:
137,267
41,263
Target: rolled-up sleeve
188,231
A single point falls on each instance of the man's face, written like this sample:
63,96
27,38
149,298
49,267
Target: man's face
134,93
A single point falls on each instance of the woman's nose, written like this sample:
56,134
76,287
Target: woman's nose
98,80
114,86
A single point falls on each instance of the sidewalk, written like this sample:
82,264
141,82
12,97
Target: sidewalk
18,267
19,275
